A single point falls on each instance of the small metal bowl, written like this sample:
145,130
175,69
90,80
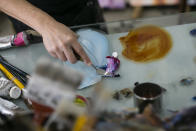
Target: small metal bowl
148,93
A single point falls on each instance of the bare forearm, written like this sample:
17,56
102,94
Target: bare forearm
27,13
58,39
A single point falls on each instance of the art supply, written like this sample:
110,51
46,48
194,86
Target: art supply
98,70
11,77
96,116
80,123
16,75
113,64
16,72
21,39
19,71
80,100
22,79
110,68
8,89
148,93
7,107
184,118
146,43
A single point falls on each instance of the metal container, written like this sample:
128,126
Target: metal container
148,93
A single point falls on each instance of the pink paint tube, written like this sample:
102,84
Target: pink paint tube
26,37
21,39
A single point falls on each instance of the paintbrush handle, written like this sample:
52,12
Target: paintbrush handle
11,77
19,71
22,79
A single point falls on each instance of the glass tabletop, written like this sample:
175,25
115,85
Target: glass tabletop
180,63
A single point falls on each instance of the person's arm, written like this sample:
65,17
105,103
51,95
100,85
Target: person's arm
58,39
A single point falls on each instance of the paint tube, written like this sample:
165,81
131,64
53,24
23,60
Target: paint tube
21,39
8,89
7,107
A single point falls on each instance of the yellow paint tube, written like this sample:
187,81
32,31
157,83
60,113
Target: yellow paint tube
80,123
11,77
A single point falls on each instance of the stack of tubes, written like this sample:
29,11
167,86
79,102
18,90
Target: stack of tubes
16,75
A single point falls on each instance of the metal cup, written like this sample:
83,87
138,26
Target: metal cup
148,93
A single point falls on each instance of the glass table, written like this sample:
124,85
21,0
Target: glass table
178,64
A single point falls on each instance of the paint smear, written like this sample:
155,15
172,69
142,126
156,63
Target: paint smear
147,43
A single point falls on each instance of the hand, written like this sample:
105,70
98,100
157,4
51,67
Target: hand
60,42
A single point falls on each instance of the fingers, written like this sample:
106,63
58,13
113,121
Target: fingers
53,54
80,51
61,55
64,46
57,53
69,54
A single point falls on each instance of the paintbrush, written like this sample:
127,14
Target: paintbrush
11,77
20,72
22,79
98,70
16,72
16,75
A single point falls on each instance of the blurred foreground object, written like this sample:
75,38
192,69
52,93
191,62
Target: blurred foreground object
112,4
49,85
52,82
153,2
191,2
183,120
138,4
